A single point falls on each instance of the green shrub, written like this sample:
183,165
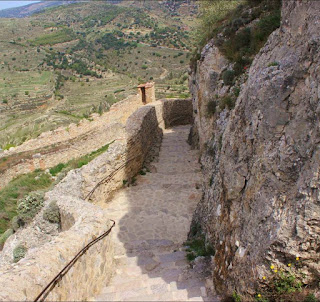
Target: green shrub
236,91
310,298
212,13
17,189
56,169
211,107
23,185
236,297
273,64
4,101
198,247
87,158
286,282
228,77
29,206
191,256
8,146
226,101
52,213
265,27
19,252
82,162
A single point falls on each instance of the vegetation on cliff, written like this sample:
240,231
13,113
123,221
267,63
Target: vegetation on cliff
261,178
239,30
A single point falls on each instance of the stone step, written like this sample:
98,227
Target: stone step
155,177
154,291
146,183
160,178
153,219
183,168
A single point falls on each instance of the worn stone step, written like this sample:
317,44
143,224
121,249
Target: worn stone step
172,179
153,219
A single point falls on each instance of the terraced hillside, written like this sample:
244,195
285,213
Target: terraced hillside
63,64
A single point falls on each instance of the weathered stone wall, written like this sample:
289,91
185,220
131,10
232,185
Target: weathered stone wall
261,192
142,132
177,112
49,252
25,280
64,144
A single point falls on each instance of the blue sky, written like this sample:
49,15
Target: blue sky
9,4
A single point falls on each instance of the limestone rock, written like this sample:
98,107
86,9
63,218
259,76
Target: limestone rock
261,196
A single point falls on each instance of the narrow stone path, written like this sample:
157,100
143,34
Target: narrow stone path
153,220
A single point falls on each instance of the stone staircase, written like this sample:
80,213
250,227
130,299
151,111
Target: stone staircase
153,219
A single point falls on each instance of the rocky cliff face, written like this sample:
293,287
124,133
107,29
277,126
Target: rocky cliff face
261,201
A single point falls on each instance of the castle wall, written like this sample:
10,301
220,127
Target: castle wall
64,144
24,280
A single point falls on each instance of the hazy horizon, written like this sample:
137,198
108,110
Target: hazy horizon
11,4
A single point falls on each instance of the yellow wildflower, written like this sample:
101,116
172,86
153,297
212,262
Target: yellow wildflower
259,295
297,258
272,267
289,264
264,278
275,270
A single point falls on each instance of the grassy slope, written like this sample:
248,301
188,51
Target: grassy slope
38,180
30,101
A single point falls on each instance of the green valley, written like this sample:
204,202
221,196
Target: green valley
66,62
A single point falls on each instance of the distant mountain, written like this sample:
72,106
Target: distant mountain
27,10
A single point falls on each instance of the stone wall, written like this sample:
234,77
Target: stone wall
260,204
64,144
48,253
177,112
24,280
142,132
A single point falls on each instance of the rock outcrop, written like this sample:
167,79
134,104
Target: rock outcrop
261,201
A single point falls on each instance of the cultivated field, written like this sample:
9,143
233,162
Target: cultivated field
61,65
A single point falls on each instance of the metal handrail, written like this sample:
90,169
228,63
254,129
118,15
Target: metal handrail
109,177
45,292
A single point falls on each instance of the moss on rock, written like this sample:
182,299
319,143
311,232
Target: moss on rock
52,213
29,206
5,236
19,252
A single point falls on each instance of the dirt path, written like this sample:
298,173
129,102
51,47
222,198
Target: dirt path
164,74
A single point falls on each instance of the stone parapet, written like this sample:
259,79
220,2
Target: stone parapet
82,221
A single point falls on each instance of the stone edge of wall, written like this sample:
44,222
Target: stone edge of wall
177,112
63,137
25,279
